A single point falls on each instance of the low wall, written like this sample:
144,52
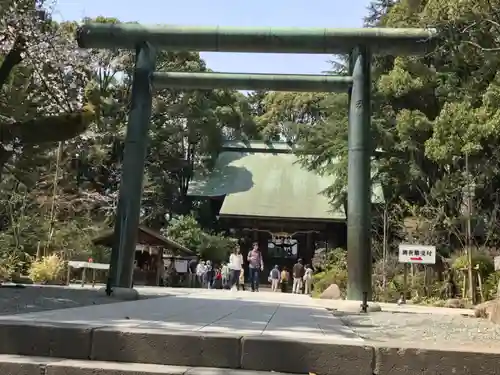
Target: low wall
263,353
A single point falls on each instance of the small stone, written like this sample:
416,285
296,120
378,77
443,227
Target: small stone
454,303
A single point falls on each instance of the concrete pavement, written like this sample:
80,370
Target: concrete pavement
218,311
216,329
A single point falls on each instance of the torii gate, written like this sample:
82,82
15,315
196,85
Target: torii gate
359,43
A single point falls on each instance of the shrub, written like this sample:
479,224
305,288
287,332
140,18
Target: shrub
10,264
334,264
47,269
216,247
187,231
336,258
490,286
483,262
331,276
394,280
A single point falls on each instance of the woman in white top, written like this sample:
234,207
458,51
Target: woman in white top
308,278
235,265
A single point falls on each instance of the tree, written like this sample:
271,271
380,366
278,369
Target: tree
188,128
62,184
210,246
42,76
429,114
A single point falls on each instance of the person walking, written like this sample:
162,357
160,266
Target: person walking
285,276
255,265
226,274
275,278
308,277
161,272
192,275
298,274
200,273
236,267
209,275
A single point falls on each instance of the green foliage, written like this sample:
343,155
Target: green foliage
335,271
336,258
323,280
216,247
429,114
10,264
62,135
187,231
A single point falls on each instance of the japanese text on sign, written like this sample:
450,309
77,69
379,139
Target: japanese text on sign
419,254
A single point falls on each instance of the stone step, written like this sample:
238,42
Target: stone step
183,348
98,344
23,365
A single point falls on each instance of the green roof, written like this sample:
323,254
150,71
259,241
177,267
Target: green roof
266,180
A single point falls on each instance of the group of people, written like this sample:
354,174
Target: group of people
231,274
302,278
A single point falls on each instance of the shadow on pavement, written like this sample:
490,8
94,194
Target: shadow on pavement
212,312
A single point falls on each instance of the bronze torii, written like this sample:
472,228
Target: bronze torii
359,43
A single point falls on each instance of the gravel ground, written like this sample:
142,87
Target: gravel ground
40,298
424,328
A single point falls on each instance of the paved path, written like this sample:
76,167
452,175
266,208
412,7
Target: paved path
277,314
242,313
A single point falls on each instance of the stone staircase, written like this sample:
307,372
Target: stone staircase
50,348
36,348
22,365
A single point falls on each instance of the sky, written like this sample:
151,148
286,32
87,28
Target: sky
267,13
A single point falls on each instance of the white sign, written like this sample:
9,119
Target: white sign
497,263
96,266
418,254
181,265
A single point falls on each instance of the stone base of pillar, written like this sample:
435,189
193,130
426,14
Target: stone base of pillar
124,294
355,306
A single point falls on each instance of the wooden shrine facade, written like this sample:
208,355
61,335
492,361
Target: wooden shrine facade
261,193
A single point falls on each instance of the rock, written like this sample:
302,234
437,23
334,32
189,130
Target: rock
454,303
332,292
489,310
374,307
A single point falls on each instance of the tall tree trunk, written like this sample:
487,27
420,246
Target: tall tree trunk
4,157
52,217
13,58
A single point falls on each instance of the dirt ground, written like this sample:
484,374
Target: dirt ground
425,328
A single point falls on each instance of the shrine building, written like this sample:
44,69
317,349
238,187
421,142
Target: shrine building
261,192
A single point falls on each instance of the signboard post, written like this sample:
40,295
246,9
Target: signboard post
414,254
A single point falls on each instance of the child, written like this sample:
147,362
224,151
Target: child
274,278
241,280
